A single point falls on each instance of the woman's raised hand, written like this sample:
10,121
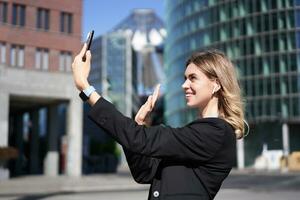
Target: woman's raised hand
81,69
142,115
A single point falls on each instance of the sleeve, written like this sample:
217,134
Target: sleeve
196,141
142,168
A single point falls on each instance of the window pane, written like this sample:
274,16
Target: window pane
68,62
47,20
70,21
38,59
45,60
62,22
38,18
21,57
22,15
61,61
3,12
13,55
2,53
14,14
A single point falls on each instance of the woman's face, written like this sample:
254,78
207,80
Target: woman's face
198,88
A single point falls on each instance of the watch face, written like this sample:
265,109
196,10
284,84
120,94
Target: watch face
83,96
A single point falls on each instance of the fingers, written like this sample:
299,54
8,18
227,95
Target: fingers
83,50
144,111
155,95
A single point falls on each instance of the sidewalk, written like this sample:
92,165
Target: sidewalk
63,184
123,181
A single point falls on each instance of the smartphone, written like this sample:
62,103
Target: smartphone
88,42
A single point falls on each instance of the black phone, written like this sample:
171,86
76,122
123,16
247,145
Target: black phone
88,42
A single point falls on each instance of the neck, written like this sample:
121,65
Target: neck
211,109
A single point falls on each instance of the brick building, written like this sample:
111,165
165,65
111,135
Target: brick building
38,40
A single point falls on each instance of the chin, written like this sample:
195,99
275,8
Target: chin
191,104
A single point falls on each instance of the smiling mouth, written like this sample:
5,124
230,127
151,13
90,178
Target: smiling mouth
188,94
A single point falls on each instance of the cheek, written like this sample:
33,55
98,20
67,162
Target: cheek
202,90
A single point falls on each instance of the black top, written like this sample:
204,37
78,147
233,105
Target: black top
188,163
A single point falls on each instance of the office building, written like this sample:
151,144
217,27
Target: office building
262,39
38,41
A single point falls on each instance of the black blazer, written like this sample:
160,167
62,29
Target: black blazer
185,163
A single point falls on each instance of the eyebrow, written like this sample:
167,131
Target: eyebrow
192,74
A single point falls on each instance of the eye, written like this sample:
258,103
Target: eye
192,77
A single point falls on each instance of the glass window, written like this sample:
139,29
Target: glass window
284,85
295,83
265,68
257,6
65,61
257,46
277,85
281,20
283,63
66,22
243,27
3,12
285,107
21,56
42,59
278,107
251,46
269,86
13,55
293,62
268,42
17,55
296,106
291,43
267,107
275,42
276,64
257,24
290,19
42,19
266,22
258,66
282,42
249,22
234,8
274,21
236,31
18,15
2,52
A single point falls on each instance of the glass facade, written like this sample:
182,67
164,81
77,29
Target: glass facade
117,70
262,38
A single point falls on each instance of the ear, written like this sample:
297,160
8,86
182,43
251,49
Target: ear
217,85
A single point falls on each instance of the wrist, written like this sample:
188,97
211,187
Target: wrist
83,86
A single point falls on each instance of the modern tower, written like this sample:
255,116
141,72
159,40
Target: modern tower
261,37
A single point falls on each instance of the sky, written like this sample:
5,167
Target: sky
103,15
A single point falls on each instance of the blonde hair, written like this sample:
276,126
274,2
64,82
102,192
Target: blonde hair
215,65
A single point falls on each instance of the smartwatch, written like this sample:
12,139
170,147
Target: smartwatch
86,93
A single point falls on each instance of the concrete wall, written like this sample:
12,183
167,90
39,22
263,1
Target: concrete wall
46,88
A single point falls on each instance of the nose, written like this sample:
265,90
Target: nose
185,84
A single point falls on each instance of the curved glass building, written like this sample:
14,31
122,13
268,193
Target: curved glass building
262,38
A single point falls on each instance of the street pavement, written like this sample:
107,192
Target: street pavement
246,185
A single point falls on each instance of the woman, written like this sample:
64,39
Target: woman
184,163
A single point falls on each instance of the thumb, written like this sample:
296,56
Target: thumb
88,56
